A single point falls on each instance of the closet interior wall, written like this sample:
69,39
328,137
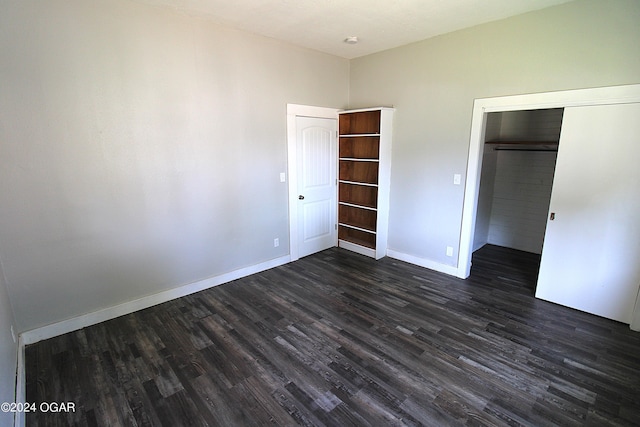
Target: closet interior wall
516,179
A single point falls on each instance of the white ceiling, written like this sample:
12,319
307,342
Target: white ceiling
379,24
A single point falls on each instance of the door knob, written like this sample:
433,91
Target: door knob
301,197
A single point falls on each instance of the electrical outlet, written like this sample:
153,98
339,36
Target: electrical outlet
283,177
457,179
449,251
276,242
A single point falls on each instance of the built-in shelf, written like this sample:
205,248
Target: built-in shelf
363,178
511,145
357,228
523,142
357,206
357,183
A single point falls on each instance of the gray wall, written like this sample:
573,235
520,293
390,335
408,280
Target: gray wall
433,84
140,150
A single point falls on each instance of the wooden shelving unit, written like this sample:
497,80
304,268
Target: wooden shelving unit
364,179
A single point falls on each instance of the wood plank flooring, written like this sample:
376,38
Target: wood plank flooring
339,339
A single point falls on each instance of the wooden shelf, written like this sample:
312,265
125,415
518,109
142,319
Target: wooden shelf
363,219
358,237
355,159
361,195
359,123
360,147
356,171
358,183
357,206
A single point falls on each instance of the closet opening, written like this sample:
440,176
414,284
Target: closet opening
518,165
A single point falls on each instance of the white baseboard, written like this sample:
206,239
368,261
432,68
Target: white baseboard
357,248
423,262
70,325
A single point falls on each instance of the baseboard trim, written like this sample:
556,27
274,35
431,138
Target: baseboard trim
79,322
423,262
357,248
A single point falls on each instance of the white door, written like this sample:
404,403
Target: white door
317,197
590,259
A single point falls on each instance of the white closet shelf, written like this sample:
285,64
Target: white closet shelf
357,228
353,205
357,183
359,159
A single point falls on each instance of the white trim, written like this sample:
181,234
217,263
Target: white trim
293,111
364,230
95,317
357,206
422,262
351,159
359,110
635,317
21,384
364,184
362,250
570,98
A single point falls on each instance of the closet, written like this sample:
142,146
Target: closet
520,152
591,236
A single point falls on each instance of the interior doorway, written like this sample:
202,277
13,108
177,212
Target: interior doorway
592,199
312,162
316,142
481,110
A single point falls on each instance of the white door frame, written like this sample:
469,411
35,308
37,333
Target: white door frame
570,98
293,111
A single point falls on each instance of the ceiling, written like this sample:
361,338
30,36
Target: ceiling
379,24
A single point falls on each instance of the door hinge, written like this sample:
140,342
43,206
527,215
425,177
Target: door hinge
336,226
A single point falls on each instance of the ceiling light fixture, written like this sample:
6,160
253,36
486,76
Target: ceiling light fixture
351,40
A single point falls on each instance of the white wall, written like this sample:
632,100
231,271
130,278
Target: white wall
8,352
140,150
515,186
485,197
520,199
432,84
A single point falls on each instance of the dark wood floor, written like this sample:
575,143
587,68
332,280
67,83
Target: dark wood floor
340,339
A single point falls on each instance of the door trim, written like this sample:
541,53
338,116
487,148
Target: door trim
293,111
570,98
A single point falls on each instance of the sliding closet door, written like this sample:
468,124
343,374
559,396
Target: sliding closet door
591,254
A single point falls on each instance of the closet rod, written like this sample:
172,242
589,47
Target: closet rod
554,150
